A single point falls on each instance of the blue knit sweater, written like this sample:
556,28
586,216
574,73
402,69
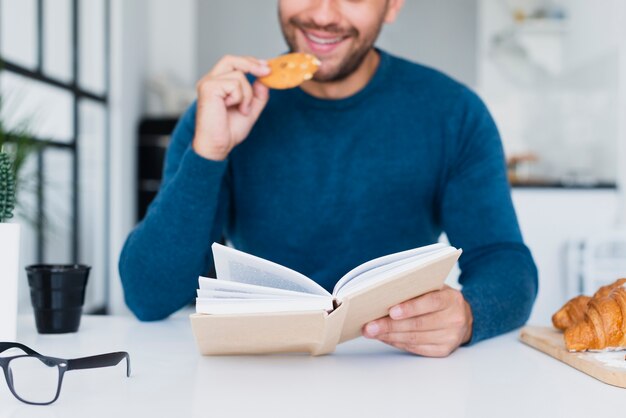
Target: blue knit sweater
321,186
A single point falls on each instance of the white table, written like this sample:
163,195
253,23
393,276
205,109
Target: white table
363,378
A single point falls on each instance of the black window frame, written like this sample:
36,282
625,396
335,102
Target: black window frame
78,93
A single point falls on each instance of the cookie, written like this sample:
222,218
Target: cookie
290,70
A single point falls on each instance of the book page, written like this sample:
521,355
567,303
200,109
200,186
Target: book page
241,306
382,261
385,272
243,290
398,285
237,266
221,294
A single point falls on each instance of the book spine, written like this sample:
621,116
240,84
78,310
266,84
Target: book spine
333,326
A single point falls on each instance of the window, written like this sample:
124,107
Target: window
54,72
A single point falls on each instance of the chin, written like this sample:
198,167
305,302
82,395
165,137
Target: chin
324,77
328,70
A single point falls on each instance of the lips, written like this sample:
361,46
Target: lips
321,43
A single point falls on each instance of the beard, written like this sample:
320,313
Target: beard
350,62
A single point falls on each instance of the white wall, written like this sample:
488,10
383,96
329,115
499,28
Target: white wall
439,33
236,27
622,121
129,65
172,37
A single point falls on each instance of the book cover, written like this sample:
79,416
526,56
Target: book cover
252,307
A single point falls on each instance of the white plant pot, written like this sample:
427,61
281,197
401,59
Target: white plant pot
9,262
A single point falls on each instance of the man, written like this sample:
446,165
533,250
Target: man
374,155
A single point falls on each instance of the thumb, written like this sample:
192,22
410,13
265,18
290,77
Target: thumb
261,96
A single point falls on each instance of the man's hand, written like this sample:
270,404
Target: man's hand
432,325
228,106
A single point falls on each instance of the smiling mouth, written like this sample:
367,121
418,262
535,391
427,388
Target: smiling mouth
323,41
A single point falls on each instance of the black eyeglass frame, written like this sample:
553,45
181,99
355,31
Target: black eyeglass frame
64,365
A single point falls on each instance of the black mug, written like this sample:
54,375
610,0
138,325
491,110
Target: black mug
57,293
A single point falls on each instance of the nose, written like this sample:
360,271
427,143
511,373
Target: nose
325,12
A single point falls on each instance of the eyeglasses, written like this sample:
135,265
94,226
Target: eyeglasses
36,379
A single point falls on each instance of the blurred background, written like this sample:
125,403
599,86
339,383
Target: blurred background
101,83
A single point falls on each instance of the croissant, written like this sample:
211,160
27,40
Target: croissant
571,313
574,310
605,290
604,324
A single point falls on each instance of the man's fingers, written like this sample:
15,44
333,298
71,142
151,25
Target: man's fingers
246,89
378,327
437,337
428,322
428,303
430,350
425,350
228,63
399,346
432,325
261,95
429,343
230,91
233,68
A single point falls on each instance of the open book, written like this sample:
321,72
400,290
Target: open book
257,306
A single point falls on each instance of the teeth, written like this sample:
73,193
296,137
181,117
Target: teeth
323,41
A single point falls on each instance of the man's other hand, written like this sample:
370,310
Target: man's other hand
432,325
228,106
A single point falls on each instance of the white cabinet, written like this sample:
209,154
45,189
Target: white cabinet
549,219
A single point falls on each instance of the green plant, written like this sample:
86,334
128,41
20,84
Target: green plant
7,188
17,142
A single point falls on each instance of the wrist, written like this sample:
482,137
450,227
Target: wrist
470,323
208,152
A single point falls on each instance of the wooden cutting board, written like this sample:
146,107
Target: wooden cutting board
550,341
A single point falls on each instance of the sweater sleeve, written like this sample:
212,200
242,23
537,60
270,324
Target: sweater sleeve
164,255
498,274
